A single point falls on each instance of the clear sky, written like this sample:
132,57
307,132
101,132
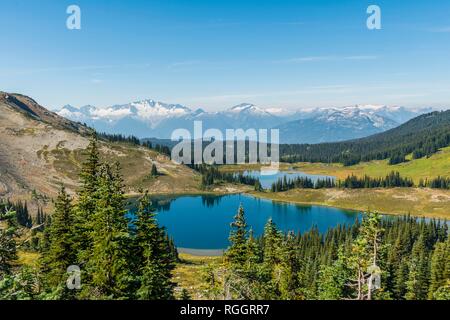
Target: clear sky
215,54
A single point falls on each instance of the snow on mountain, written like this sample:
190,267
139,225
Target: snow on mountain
149,118
72,113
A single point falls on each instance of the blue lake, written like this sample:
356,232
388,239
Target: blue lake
203,222
268,180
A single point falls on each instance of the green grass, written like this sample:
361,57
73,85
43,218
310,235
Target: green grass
437,165
27,258
418,202
188,274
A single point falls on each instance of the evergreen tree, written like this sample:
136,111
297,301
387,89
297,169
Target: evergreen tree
440,269
289,268
154,172
61,250
8,236
272,242
401,279
237,253
417,284
333,278
155,261
254,253
87,200
107,266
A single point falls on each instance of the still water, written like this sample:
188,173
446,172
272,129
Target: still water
268,179
203,222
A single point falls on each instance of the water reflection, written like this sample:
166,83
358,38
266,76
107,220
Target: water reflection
203,222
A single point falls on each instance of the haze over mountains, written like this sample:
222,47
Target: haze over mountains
149,118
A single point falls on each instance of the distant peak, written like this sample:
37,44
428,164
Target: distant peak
70,107
242,106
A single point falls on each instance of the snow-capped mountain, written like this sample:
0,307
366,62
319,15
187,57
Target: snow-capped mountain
149,118
333,124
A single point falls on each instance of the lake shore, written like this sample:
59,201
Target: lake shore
202,252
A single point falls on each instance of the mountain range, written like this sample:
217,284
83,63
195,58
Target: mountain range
149,118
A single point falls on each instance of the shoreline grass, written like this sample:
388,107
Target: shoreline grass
417,202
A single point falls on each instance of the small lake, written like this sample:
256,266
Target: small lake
268,179
203,222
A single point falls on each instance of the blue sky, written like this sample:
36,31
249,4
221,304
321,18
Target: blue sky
215,54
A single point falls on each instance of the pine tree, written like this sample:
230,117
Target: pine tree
87,200
254,253
237,252
107,266
272,242
417,284
154,260
8,236
154,172
333,278
440,268
401,278
290,266
61,250
89,179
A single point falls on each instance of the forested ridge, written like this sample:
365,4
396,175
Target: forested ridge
134,141
421,136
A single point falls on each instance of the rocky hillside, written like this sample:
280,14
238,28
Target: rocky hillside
39,150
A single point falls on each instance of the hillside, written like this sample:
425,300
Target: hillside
423,136
425,168
39,150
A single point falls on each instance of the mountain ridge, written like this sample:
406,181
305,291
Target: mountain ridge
150,118
421,136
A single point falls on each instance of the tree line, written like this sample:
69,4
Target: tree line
399,258
392,180
211,175
134,141
436,183
21,211
284,184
